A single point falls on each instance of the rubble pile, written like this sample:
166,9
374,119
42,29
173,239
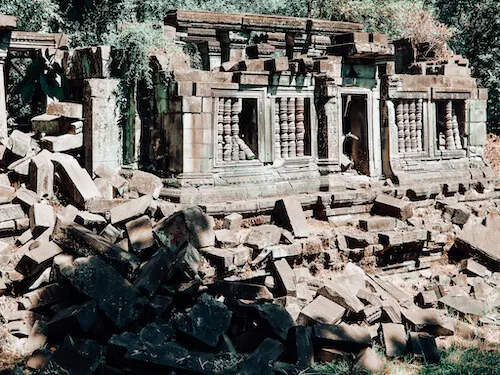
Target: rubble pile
108,279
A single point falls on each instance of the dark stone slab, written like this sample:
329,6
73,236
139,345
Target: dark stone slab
74,320
259,361
301,345
345,337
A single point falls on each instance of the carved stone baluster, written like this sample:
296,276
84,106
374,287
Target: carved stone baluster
419,117
277,140
401,126
301,130
235,128
220,130
456,133
292,147
450,140
227,130
284,128
406,120
413,126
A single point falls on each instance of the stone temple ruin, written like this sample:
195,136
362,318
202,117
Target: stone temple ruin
214,228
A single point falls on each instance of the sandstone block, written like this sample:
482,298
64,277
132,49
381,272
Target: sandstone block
393,336
233,221
42,217
130,210
140,235
289,214
390,206
285,278
146,184
321,310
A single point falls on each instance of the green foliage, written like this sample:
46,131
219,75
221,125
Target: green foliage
47,73
39,15
465,362
477,37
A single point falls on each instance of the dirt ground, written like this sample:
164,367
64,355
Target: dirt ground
492,152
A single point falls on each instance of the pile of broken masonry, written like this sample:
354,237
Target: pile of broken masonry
102,277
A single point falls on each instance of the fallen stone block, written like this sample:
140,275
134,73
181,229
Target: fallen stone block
285,278
146,184
472,268
348,338
369,360
311,245
116,298
259,361
45,296
424,347
390,206
7,193
77,181
289,214
225,259
130,210
321,310
74,320
300,342
225,238
42,217
83,242
154,272
342,294
232,222
26,198
90,220
39,359
23,238
77,356
37,259
393,337
19,143
239,290
427,298
9,212
464,305
359,240
105,188
457,213
206,321
62,143
37,337
111,233
190,225
65,109
431,321
480,242
117,181
263,236
140,235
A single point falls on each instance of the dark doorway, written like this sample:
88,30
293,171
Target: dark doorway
355,131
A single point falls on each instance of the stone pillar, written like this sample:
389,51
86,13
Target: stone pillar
3,100
102,133
330,129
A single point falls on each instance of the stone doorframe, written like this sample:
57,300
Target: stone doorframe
373,123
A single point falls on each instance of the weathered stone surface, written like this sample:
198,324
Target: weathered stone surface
393,336
260,359
42,217
207,321
130,210
45,296
10,212
19,143
65,109
146,184
473,268
105,188
288,213
377,223
140,235
464,305
263,236
74,320
117,181
239,290
84,242
38,258
285,278
300,341
348,338
26,198
342,294
90,220
481,242
62,143
190,225
370,361
41,171
233,221
154,272
111,233
115,297
77,181
424,346
226,238
77,356
390,206
321,310
227,258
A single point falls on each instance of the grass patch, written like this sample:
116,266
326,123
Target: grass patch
466,362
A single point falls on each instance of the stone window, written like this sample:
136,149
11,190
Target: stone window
292,127
410,123
450,121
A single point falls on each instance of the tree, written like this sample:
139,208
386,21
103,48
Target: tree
477,37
